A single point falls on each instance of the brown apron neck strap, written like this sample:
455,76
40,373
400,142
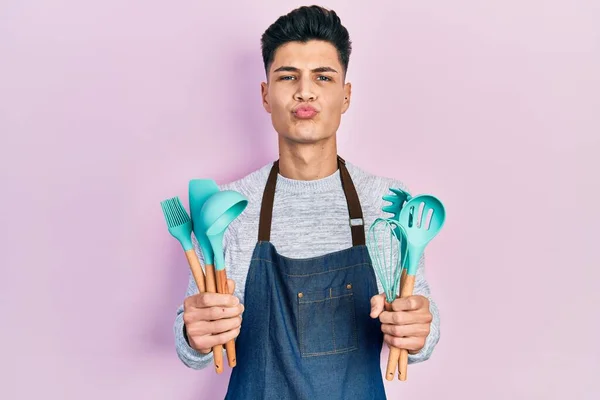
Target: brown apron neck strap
356,221
266,208
354,209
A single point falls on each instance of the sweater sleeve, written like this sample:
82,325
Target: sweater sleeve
422,288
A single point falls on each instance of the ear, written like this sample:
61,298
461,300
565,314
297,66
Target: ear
264,92
347,96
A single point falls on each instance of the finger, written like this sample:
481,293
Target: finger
416,330
216,313
410,303
209,341
403,317
413,344
377,304
204,300
194,315
202,328
230,286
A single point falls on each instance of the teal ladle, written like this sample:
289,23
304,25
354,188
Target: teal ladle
217,213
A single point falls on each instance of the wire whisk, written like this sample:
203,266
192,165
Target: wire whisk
386,242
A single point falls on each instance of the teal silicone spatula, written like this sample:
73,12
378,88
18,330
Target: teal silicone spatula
422,218
201,190
216,214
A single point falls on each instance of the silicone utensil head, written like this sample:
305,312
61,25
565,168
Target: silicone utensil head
178,221
384,242
398,198
217,213
201,190
422,218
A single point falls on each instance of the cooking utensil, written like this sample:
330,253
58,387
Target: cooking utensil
199,191
422,218
217,213
180,227
384,242
398,199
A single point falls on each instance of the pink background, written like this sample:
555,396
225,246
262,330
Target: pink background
108,107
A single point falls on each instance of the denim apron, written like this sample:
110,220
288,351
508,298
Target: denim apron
306,331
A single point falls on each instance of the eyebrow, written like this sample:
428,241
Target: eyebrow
294,69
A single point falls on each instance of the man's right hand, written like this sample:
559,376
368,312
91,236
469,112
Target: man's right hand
212,318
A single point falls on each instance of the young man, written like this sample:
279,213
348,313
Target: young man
313,321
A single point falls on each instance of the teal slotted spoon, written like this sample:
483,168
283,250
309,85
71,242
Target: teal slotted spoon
422,218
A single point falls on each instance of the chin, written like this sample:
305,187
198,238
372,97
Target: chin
305,134
305,138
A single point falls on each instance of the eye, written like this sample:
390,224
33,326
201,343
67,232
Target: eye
287,78
323,78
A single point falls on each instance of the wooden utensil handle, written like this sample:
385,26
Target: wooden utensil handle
196,269
393,356
407,290
403,278
211,286
395,353
229,346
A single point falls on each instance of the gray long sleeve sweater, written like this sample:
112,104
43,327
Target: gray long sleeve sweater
310,218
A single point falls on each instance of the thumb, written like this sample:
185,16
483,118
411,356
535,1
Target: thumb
377,304
230,286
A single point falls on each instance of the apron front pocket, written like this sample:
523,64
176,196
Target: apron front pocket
327,321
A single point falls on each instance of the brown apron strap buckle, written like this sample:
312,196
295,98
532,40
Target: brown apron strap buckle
357,222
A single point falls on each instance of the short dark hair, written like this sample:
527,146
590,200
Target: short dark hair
303,24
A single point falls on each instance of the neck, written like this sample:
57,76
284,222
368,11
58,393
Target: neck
307,162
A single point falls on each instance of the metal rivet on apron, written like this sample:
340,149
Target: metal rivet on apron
300,295
349,286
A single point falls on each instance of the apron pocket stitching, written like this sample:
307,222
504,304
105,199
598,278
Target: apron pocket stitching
320,301
327,271
323,334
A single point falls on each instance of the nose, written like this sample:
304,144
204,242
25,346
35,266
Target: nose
305,91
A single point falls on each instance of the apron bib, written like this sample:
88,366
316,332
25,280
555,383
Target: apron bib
306,330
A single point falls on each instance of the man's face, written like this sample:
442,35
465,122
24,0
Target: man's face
305,94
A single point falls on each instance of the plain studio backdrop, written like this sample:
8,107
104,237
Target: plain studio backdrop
109,107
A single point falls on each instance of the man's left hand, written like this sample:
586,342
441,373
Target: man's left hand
407,325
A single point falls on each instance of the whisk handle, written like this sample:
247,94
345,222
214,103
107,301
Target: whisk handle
394,354
405,291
